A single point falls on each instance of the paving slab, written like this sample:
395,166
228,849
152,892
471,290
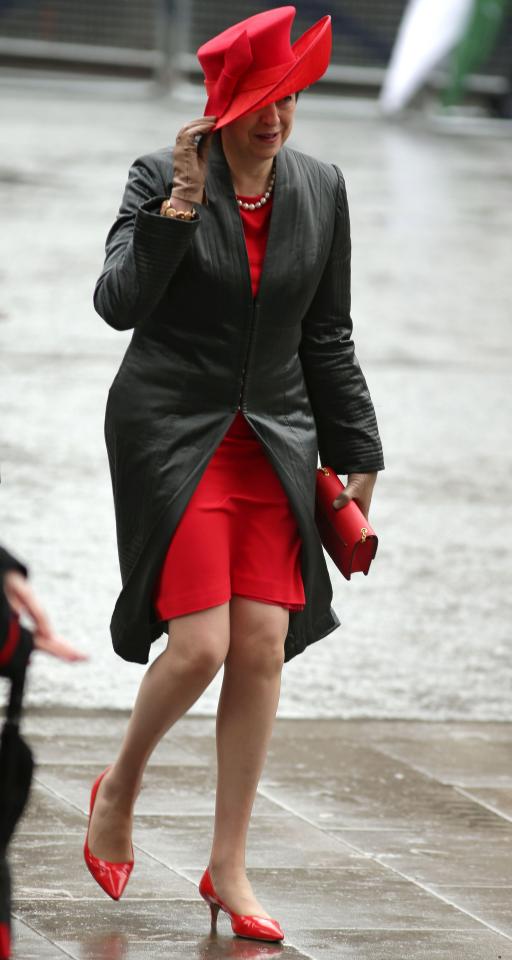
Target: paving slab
356,895
58,816
355,785
394,944
439,856
57,870
492,904
185,842
98,929
28,944
68,749
468,762
373,731
57,721
165,790
116,947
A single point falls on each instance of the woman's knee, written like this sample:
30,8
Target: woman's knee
257,635
200,640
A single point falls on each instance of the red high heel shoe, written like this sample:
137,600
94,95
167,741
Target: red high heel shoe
112,877
251,927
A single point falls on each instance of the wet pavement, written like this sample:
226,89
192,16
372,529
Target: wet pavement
369,840
427,634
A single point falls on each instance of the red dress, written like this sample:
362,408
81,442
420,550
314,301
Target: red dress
238,533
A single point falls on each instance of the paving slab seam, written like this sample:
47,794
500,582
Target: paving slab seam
431,891
421,770
136,846
126,899
154,766
38,933
59,796
386,929
289,943
446,900
464,792
394,870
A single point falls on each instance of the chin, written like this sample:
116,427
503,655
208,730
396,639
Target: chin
268,149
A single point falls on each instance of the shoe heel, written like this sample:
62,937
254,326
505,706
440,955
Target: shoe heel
214,910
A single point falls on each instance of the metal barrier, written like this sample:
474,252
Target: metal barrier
145,34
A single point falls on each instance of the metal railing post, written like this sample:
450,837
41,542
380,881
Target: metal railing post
172,39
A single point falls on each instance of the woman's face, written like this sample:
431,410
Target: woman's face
261,134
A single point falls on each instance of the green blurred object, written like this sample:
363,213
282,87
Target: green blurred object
475,46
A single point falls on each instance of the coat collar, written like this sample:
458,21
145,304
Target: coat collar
221,196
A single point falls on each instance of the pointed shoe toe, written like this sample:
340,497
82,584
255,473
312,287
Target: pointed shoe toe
111,877
256,928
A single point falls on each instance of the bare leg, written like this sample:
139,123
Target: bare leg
197,647
247,707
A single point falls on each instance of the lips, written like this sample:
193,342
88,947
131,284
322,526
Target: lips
267,137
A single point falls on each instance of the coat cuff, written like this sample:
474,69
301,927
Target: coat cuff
8,562
15,657
160,240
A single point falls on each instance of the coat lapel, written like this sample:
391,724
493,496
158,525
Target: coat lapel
221,198
222,205
272,272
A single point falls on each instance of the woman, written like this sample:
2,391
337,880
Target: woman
240,369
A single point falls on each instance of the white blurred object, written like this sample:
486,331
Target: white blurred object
428,31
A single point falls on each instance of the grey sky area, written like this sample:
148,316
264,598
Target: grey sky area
427,634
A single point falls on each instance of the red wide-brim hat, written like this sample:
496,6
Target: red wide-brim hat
254,63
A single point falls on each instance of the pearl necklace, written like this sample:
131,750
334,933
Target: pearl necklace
262,200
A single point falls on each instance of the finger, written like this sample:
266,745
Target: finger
197,126
203,145
58,648
200,120
342,500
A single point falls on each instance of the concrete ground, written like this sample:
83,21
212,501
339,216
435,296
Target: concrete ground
370,840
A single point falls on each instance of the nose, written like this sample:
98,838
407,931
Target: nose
270,114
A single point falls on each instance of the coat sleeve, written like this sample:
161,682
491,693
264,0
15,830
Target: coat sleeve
142,249
348,436
16,642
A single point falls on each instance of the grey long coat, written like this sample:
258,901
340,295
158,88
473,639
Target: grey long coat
202,348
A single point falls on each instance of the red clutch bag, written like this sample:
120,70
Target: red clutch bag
345,533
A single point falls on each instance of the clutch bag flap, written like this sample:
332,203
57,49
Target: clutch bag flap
345,533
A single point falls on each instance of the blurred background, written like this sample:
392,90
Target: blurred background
415,109
159,39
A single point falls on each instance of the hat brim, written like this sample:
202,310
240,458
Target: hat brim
312,51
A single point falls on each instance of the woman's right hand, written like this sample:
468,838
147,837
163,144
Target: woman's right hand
190,160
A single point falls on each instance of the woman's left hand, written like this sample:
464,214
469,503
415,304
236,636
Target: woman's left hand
359,488
22,599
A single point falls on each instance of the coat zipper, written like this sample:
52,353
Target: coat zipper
243,381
